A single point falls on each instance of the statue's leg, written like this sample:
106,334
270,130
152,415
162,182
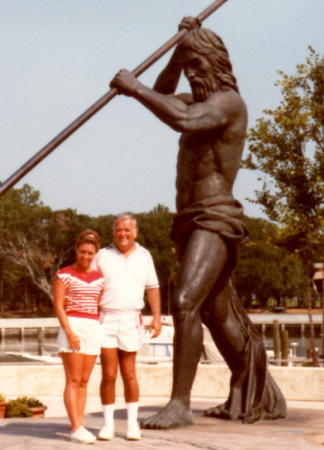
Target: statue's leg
217,314
203,261
253,393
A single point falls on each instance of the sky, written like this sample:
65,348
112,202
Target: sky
58,56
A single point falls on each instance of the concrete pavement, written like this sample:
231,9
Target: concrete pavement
303,429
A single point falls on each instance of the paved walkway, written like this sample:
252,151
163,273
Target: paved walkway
303,429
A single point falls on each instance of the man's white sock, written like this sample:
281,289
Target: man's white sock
132,409
108,412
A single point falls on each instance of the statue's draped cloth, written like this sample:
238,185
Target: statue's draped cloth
220,214
254,394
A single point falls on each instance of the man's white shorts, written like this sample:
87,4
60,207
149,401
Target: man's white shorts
88,331
121,329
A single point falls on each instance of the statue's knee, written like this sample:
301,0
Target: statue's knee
182,306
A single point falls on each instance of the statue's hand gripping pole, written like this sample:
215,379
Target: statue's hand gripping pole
77,123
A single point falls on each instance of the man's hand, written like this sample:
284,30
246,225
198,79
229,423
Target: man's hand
125,82
155,327
190,23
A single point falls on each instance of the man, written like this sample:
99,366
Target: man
128,271
208,227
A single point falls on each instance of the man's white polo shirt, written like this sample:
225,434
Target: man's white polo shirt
126,279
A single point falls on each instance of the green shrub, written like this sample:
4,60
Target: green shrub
20,407
2,398
31,402
15,408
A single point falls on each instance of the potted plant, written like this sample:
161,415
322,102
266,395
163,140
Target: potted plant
25,407
3,405
15,408
36,406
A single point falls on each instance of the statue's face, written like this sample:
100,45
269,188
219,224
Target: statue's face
196,68
199,73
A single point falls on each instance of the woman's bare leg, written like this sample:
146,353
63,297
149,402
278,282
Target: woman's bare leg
77,367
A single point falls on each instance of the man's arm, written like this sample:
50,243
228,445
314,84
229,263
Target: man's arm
154,299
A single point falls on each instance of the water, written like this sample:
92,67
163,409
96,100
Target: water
302,347
30,345
13,343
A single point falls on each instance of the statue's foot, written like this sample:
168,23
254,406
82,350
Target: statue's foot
219,411
174,414
222,412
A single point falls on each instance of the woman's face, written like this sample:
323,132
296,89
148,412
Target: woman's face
84,255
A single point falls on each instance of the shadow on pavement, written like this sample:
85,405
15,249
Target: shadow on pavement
45,430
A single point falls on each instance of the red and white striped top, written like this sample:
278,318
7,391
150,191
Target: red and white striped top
83,291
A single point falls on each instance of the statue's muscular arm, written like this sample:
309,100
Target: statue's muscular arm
168,79
216,112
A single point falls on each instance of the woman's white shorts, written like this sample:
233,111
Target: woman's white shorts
88,331
121,329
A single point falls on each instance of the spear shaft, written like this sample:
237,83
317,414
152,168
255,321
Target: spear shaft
84,117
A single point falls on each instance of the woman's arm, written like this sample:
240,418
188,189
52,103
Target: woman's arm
59,306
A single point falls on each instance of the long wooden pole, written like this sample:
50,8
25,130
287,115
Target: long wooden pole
79,121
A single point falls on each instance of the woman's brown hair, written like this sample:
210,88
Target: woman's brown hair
89,237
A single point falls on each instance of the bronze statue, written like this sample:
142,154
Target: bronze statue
208,228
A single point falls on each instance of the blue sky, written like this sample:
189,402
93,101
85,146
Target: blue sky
57,59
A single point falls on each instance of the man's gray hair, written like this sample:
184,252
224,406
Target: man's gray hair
125,216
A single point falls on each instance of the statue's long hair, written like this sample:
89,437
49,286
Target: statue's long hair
207,43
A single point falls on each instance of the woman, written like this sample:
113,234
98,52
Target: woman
77,289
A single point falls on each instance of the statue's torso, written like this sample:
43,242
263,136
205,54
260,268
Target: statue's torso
207,165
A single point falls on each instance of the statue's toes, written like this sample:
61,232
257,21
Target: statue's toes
153,425
155,422
210,412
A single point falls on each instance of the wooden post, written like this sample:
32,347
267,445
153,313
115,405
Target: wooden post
284,347
264,331
302,330
2,337
41,340
276,342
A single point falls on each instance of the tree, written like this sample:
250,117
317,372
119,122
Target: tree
38,264
288,147
154,234
18,212
34,243
266,272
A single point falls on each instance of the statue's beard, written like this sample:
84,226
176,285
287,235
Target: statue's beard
203,90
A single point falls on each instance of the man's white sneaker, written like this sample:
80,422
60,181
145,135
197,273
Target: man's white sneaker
83,436
106,433
133,433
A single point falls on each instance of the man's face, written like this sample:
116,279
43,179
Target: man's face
125,234
199,73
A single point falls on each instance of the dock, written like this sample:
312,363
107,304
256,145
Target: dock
299,323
